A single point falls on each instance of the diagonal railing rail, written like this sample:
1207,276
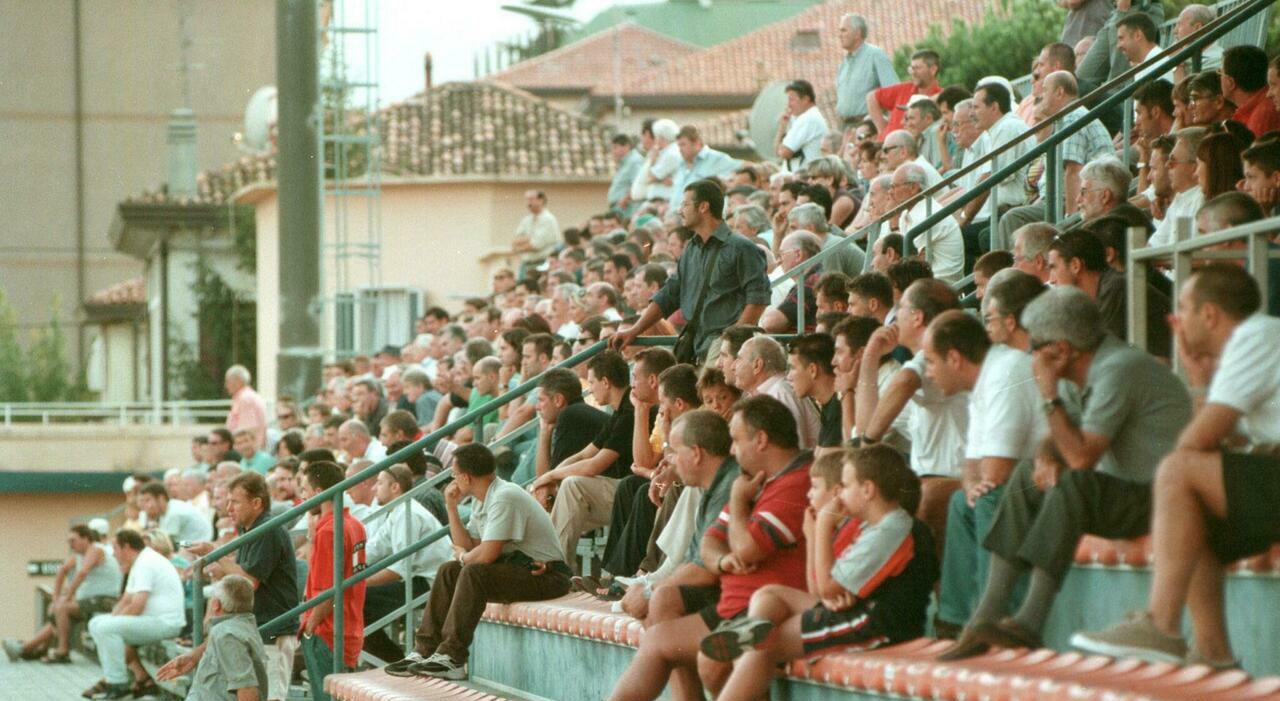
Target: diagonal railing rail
1106,97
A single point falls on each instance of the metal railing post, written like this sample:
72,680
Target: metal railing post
1259,263
1136,290
1181,271
800,304
339,574
197,602
1053,193
408,579
993,200
1126,130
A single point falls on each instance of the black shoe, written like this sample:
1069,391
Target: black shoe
97,688
114,691
143,689
971,643
401,668
440,666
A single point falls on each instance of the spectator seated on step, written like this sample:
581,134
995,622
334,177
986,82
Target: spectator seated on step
177,518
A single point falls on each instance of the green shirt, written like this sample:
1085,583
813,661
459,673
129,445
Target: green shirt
234,659
713,501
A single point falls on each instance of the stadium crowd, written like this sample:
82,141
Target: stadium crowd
769,500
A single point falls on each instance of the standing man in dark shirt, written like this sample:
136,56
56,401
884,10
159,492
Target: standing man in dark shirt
588,479
811,373
268,563
737,290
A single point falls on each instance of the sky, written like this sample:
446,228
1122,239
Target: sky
454,32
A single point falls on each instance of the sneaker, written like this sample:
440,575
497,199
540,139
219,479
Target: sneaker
1194,657
440,666
734,637
13,649
401,668
1136,637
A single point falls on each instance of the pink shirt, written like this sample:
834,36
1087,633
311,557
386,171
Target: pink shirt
248,410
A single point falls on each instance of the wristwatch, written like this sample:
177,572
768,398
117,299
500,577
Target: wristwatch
1050,404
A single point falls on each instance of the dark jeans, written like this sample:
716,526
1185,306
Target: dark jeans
380,600
460,594
319,659
1043,529
630,526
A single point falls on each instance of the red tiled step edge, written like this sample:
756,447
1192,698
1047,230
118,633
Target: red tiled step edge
376,685
910,669
1138,553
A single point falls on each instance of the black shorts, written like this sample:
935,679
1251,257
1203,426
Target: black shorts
823,629
702,601
1252,486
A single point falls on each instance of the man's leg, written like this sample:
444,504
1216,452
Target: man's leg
754,670
278,660
107,632
582,503
664,648
959,591
428,636
477,585
1017,218
1019,504
63,614
1208,612
653,555
319,660
630,526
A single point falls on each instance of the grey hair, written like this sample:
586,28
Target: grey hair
1065,314
234,593
808,242
703,428
755,217
809,216
903,138
355,426
766,350
759,198
914,174
197,474
666,130
416,376
857,23
240,372
1009,291
1199,14
1036,238
1110,173
1192,136
882,182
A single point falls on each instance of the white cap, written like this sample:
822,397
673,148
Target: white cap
129,484
1002,82
99,525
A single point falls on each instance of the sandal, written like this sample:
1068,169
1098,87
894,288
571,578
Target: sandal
145,688
96,689
56,658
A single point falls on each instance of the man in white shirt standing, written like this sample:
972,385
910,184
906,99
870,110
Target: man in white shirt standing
1005,424
664,161
942,244
1187,197
151,610
1138,38
761,368
538,234
801,128
1212,507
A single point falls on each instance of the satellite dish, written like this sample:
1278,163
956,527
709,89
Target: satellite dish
762,123
260,120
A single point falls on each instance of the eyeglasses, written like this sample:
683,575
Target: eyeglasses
285,417
887,149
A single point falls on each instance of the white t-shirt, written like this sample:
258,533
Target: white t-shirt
1005,420
1248,378
939,426
665,166
945,249
159,578
1184,204
804,137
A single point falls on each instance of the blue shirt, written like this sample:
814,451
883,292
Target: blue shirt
627,169
860,72
707,163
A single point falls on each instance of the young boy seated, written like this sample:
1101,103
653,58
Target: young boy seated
871,592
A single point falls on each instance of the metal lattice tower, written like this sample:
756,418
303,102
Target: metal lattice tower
352,159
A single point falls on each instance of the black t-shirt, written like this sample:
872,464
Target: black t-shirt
577,424
616,436
830,428
906,596
270,560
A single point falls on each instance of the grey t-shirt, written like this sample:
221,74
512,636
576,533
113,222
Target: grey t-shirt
1132,399
234,659
510,513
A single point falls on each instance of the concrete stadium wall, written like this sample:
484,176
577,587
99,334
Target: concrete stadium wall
95,448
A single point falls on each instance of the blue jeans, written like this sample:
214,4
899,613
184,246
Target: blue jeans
964,560
319,659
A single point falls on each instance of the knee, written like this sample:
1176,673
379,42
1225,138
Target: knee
1172,474
958,505
665,604
449,569
569,486
713,674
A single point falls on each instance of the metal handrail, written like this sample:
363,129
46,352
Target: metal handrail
1166,60
123,412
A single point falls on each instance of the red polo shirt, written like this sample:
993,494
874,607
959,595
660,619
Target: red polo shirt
1258,113
891,97
777,527
320,578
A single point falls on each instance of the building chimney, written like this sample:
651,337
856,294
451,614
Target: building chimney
182,153
426,69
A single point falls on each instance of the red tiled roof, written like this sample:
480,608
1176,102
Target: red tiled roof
587,64
805,46
121,294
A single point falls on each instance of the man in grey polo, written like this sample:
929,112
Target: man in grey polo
865,67
233,667
737,290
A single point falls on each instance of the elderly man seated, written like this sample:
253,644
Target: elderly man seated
942,243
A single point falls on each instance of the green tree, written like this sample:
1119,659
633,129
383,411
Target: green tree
13,363
1006,41
50,370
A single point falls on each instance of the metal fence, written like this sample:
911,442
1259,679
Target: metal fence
175,413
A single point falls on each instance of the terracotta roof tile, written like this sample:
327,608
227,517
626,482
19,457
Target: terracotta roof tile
804,46
457,129
129,292
587,64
